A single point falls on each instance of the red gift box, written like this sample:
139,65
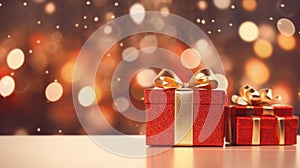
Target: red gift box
275,110
207,123
244,125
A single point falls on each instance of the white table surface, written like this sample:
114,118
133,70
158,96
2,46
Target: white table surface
81,152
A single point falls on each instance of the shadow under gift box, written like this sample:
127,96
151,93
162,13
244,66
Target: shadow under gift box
207,118
240,125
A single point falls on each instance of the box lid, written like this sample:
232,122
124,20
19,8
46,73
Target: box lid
278,110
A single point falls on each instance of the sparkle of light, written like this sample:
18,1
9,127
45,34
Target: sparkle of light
54,91
263,48
96,19
286,27
86,96
137,13
50,8
130,54
286,43
149,44
222,4
257,71
116,4
145,78
248,31
190,58
7,86
15,58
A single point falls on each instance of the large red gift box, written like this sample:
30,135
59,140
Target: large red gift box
207,123
261,125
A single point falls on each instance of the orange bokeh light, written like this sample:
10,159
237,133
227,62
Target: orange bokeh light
285,42
249,5
257,71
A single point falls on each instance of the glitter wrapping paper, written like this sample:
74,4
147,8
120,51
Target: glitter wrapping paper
160,116
277,110
240,128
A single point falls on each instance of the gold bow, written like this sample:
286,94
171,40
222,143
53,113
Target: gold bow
250,96
204,78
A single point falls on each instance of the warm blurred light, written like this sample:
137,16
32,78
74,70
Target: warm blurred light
257,71
165,11
222,4
67,71
146,77
249,5
137,13
121,104
56,37
190,58
222,80
202,45
130,54
263,48
86,96
54,91
266,32
15,58
248,31
202,4
286,27
21,131
284,90
107,29
109,16
50,8
286,43
7,86
149,44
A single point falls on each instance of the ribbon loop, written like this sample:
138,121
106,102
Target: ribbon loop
167,79
250,96
204,78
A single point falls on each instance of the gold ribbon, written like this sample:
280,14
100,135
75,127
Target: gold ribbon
250,96
256,131
183,114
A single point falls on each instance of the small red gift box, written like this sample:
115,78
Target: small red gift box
253,125
196,119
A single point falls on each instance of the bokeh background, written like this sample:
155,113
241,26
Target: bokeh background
258,42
